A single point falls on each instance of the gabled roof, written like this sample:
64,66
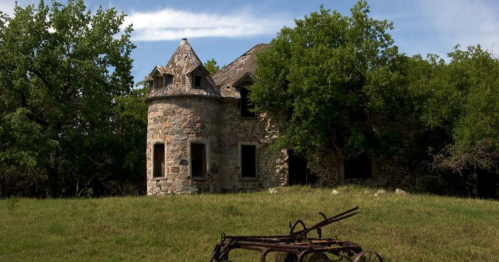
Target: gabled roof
239,70
182,63
158,70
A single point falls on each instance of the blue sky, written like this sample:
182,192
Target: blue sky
225,29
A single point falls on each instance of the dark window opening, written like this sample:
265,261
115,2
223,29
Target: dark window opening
159,160
359,167
247,108
198,160
168,80
248,161
198,81
297,169
159,81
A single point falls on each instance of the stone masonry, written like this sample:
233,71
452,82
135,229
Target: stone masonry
187,106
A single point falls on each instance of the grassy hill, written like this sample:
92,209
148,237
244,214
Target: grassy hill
187,227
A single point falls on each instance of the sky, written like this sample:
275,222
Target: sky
225,29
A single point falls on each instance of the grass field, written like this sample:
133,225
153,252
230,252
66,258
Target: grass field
187,227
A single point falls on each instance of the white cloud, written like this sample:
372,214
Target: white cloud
171,24
462,22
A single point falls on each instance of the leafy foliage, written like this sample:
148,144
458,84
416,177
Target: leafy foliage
61,70
336,78
461,97
211,66
343,88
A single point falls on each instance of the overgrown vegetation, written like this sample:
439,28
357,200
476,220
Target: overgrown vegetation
345,89
187,227
71,124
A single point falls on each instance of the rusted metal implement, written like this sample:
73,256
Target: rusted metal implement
297,247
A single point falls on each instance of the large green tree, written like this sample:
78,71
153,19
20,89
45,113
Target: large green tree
457,102
61,69
337,80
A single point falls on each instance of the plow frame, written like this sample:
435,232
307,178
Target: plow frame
297,247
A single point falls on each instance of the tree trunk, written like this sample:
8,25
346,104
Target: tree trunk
53,175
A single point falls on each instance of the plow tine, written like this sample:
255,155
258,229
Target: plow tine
328,221
346,212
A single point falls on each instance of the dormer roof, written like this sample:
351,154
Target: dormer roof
237,72
157,71
183,66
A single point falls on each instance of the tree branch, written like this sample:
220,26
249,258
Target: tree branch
45,82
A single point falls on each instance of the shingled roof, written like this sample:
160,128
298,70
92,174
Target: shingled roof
239,70
183,63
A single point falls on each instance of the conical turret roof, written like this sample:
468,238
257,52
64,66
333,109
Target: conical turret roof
184,74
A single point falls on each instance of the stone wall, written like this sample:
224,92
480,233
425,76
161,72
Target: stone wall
389,173
393,173
177,122
325,170
237,131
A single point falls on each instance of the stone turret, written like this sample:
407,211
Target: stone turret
184,74
183,132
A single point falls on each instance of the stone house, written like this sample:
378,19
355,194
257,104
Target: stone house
202,136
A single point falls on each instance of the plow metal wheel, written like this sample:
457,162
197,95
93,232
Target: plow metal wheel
285,257
318,257
367,256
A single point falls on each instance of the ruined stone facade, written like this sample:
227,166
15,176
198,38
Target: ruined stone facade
201,137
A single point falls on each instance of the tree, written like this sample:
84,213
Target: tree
61,69
337,80
113,163
211,66
459,100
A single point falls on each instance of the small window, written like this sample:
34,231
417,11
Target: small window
198,81
198,160
359,167
247,108
159,80
168,80
159,160
248,161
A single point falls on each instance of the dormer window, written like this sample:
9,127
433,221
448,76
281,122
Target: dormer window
167,80
247,108
198,76
198,81
159,81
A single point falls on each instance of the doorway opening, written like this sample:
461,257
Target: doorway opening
297,169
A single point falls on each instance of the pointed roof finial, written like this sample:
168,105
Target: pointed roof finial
184,41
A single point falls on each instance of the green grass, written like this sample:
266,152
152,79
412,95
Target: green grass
187,227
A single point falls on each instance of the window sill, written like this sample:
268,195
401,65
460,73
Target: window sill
158,178
201,178
249,118
249,179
